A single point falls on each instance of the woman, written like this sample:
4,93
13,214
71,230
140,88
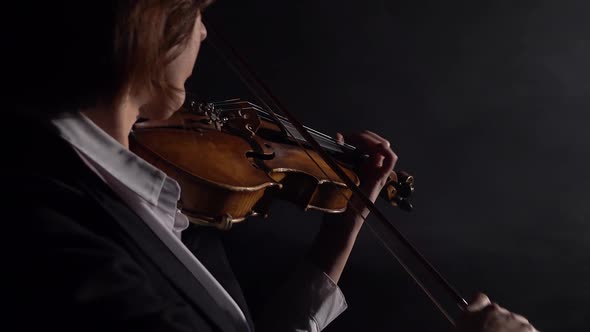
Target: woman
103,247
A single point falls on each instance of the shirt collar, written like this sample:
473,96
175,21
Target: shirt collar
136,174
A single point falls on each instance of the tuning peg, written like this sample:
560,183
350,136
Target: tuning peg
398,190
404,190
404,177
403,204
405,184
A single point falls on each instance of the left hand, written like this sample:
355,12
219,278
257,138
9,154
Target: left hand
338,233
373,172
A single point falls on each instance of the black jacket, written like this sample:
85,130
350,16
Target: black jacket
78,259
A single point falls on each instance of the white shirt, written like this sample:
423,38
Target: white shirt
309,301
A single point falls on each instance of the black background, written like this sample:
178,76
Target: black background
485,102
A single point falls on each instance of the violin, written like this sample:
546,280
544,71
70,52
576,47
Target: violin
232,159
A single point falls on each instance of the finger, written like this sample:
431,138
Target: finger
389,161
370,146
380,165
381,159
519,318
363,141
524,327
479,302
377,137
377,144
501,309
511,315
339,138
390,158
372,164
375,141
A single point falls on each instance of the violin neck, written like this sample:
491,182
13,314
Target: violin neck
345,153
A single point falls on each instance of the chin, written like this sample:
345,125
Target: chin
161,109
160,114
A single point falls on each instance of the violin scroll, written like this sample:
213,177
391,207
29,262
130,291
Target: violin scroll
398,190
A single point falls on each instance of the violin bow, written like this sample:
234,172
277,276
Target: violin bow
259,89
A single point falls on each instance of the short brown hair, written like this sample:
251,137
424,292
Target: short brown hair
70,54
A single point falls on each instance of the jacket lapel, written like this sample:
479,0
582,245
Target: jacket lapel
71,167
162,257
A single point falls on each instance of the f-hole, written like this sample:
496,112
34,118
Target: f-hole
260,155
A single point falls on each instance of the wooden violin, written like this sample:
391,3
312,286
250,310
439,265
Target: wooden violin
233,158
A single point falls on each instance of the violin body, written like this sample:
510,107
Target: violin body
232,169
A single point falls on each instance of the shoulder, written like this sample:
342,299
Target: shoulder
69,255
47,188
40,168
70,258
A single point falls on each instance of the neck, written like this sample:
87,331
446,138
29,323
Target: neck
116,121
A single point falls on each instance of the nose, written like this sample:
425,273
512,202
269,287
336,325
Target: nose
203,31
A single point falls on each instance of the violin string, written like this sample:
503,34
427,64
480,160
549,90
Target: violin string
260,110
330,143
314,132
246,75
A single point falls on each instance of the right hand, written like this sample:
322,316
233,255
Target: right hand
484,316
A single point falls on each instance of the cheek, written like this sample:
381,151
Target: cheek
176,73
175,104
162,107
179,70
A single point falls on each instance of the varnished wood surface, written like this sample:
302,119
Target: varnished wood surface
220,176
